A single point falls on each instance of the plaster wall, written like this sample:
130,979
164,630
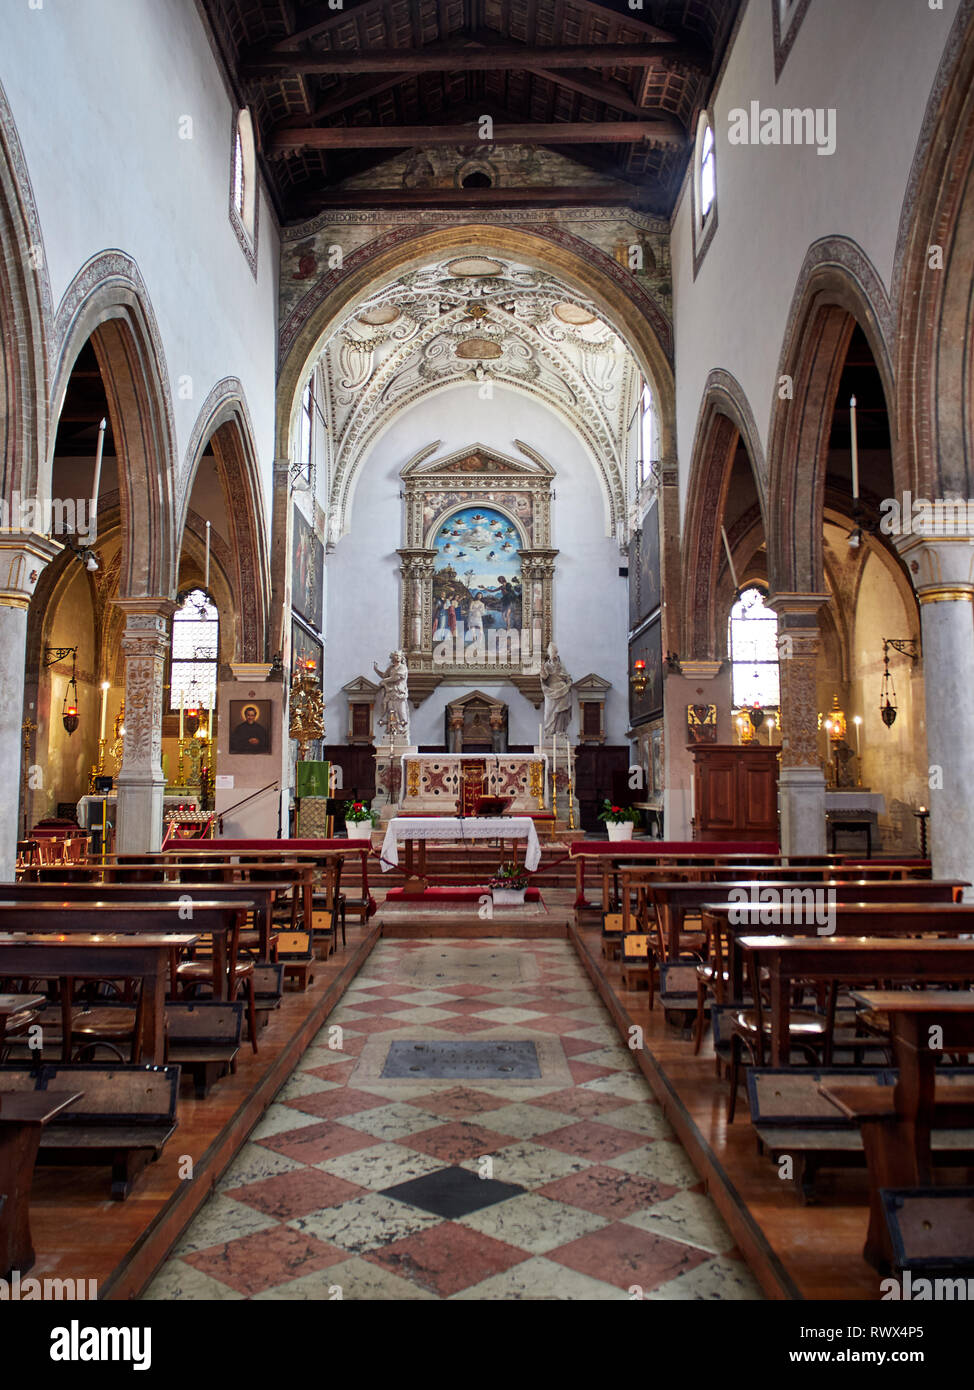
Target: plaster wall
362,580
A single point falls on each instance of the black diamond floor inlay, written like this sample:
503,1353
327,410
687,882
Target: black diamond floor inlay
462,1061
452,1192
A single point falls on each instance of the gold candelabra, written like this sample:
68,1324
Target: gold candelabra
307,719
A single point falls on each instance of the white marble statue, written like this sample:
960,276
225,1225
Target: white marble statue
557,686
393,711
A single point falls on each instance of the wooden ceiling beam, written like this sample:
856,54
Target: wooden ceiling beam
666,133
607,92
591,195
347,94
453,57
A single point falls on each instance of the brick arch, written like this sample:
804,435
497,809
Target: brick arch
25,324
935,409
838,288
724,421
225,421
107,302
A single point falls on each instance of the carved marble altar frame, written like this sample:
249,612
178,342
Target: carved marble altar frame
516,488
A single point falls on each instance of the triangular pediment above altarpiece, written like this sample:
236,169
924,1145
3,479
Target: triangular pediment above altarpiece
478,458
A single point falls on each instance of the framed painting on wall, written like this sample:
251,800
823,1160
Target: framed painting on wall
307,571
250,726
305,646
647,646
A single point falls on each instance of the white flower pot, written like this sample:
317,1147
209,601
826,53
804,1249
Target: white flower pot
620,830
508,897
358,829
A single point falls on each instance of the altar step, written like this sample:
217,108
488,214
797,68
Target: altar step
466,864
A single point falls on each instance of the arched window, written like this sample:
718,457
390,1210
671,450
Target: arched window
708,172
648,435
243,176
754,651
704,188
306,432
194,652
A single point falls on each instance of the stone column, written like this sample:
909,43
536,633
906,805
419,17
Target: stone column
141,784
23,556
801,783
942,571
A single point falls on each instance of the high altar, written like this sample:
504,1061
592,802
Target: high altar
408,782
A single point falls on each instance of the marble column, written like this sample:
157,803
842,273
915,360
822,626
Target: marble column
141,783
801,781
23,556
942,571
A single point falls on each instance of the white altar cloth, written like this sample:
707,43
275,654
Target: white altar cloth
454,828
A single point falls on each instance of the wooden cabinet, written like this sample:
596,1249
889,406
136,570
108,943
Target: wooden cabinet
735,792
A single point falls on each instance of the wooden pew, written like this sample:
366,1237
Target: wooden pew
897,1121
855,959
123,1119
203,1037
792,1116
673,901
98,956
23,1115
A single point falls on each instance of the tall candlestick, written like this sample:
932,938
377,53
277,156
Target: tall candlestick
855,450
104,708
206,580
730,560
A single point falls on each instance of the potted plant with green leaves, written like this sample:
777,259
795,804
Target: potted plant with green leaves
619,821
509,885
359,820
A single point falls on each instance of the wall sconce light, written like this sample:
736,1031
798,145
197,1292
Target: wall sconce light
907,646
69,705
638,680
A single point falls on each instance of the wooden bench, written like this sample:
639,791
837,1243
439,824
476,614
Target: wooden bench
122,1120
203,1037
792,1116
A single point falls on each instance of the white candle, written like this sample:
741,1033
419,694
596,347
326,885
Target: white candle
206,580
855,450
96,483
180,714
104,706
540,743
729,560
209,717
857,720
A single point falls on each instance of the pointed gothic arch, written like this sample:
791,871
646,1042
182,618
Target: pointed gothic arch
107,301
837,288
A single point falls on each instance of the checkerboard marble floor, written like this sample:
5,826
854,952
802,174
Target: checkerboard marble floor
567,1184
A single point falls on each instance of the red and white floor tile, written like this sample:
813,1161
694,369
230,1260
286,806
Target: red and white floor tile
358,1184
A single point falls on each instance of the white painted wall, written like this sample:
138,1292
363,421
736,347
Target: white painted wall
362,588
97,89
874,62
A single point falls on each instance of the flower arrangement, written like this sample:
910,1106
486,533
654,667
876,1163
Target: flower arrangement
618,815
510,876
357,811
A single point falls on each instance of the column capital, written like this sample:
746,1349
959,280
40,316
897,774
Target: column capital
700,670
148,606
941,568
788,605
23,556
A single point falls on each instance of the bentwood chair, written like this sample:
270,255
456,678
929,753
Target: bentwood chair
808,1031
